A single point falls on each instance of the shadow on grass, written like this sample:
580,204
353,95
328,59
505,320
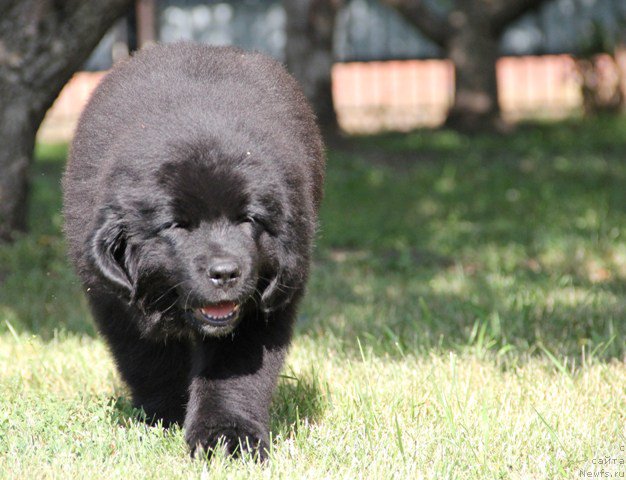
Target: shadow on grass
399,310
39,293
439,240
298,401
427,240
122,412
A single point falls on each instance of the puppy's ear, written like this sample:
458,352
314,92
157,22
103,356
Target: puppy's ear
280,290
109,252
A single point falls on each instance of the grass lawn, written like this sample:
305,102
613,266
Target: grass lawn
466,318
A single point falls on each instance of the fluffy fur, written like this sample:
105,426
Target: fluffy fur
191,199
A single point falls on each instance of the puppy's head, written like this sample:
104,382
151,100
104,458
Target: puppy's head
199,245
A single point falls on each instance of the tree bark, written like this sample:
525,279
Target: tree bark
473,49
42,43
470,35
601,84
309,52
17,136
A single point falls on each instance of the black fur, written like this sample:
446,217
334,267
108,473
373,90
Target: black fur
193,182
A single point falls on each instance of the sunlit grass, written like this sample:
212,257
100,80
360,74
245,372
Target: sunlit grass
464,319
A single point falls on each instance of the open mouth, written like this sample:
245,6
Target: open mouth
218,314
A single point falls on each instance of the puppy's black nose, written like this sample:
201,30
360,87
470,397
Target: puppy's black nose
223,272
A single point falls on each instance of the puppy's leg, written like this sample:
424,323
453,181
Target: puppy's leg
232,385
157,372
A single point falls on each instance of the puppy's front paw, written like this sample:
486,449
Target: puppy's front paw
235,439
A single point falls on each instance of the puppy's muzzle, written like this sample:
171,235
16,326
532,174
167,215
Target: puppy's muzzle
224,272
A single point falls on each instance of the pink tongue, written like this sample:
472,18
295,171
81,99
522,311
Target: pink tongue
219,310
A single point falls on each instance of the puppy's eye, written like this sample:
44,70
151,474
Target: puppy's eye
182,224
173,225
248,219
257,224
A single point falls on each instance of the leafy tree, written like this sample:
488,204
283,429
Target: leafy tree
42,43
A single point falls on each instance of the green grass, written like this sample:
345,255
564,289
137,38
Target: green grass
465,319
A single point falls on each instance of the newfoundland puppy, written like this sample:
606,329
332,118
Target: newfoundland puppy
191,199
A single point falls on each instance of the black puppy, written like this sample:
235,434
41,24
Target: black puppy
191,199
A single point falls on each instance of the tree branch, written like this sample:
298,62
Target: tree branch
503,12
5,5
45,41
431,23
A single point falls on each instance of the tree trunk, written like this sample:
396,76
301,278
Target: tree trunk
469,33
42,43
473,49
309,52
601,84
17,137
